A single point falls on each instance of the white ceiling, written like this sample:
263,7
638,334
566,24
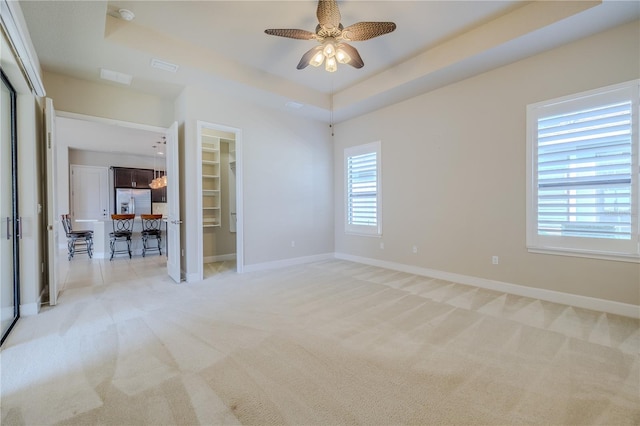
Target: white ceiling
221,45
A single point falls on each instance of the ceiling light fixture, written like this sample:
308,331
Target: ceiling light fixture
126,14
158,181
332,36
330,53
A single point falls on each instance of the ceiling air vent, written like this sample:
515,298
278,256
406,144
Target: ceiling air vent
116,76
163,65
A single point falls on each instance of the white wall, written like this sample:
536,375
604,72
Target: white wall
453,172
107,159
287,163
107,101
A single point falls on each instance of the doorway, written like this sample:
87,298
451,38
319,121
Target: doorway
219,174
94,145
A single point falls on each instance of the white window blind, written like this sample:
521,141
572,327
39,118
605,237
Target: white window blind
362,171
585,173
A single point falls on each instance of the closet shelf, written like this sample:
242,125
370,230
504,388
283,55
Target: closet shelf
210,177
210,223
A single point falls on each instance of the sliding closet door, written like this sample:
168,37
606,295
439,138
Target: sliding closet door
9,225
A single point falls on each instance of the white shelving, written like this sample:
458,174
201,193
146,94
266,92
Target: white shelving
210,162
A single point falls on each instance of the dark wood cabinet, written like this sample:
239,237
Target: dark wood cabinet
125,177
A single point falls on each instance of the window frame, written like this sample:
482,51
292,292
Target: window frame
364,230
599,248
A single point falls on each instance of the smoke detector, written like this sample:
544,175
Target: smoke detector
126,14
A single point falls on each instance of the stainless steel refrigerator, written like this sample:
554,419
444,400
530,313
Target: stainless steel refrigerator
133,201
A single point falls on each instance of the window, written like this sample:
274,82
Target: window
363,195
583,171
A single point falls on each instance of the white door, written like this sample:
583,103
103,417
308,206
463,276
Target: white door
173,204
89,192
9,249
52,205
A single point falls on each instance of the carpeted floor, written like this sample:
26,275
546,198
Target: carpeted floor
328,343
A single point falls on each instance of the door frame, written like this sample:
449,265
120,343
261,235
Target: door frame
52,203
14,226
239,194
113,122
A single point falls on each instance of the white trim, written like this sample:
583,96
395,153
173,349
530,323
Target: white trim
220,258
276,264
586,253
200,125
30,309
16,29
352,151
616,250
602,305
112,122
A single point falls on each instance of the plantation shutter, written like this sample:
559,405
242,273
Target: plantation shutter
362,189
362,170
584,172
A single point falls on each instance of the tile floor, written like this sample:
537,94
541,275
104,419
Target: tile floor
84,272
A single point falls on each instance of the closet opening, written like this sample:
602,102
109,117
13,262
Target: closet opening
220,244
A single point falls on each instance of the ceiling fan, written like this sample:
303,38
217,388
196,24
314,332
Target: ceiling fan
332,37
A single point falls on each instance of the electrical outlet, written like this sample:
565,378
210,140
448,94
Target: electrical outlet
293,243
381,245
415,249
495,260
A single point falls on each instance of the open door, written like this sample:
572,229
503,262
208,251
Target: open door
52,205
173,204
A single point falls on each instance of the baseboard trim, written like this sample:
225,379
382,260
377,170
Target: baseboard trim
29,309
220,258
276,264
586,302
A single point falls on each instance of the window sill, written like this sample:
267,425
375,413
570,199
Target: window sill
363,234
629,258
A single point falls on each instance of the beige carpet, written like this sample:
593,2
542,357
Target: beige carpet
328,343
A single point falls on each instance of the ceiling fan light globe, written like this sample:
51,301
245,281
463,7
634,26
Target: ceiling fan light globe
329,49
342,56
331,64
317,59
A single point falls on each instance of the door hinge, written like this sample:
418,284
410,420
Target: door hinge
49,140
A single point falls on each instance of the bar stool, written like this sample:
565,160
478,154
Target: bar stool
122,230
80,241
151,229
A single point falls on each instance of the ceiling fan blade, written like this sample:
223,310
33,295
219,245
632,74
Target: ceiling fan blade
356,61
307,57
366,30
291,33
328,13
